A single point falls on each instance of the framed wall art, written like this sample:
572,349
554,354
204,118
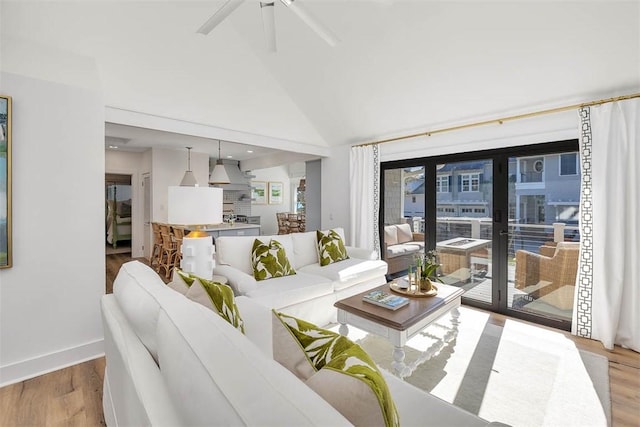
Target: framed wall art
258,192
5,182
275,193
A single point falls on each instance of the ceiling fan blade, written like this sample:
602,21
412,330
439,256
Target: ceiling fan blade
269,24
312,22
219,16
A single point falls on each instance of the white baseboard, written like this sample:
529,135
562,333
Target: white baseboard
34,367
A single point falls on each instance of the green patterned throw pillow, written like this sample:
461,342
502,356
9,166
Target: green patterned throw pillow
330,247
336,368
217,297
269,260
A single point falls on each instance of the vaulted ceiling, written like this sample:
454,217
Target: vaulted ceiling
400,65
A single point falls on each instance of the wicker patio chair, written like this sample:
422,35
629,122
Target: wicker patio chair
551,279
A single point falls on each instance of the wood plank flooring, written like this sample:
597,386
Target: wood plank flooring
73,396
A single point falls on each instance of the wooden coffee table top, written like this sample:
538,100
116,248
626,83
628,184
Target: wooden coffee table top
404,317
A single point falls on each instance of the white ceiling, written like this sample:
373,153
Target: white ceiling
400,66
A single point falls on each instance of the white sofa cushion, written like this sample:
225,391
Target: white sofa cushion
418,408
218,377
348,272
138,288
404,233
390,235
305,248
404,248
236,250
257,323
284,291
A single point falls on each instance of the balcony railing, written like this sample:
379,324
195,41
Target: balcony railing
521,236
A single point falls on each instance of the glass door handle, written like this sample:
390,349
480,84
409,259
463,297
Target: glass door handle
504,233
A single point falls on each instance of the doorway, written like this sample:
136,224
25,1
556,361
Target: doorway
118,213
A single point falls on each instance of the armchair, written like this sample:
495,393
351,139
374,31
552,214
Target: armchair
549,278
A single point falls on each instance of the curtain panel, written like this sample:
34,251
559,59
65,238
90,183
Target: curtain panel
364,177
607,304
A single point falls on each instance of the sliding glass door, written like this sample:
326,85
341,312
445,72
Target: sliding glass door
504,224
544,239
464,227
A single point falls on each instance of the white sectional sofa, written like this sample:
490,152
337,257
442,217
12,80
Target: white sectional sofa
312,291
171,361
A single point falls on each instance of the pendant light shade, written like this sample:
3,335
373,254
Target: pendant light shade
219,174
189,179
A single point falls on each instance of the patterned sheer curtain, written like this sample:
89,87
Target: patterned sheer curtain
608,286
364,174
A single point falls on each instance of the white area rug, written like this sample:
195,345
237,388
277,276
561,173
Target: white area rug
518,374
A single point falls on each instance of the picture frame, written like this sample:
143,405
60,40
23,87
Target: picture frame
258,192
275,193
6,251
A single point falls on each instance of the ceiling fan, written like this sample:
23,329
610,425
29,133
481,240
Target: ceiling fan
268,20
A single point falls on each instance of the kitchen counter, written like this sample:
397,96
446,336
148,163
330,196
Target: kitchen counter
226,226
238,229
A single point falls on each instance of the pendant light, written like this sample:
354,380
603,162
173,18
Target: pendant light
219,174
189,179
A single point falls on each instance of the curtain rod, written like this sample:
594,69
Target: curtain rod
505,119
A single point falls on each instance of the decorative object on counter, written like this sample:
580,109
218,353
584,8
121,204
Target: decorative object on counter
259,192
219,174
275,193
196,206
189,179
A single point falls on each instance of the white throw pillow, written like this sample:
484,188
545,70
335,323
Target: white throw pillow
404,233
391,235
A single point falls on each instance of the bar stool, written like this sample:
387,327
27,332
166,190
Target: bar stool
168,251
157,246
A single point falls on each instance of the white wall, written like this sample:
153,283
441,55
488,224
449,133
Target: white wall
267,212
49,299
335,189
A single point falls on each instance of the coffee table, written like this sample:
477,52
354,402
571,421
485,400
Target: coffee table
398,326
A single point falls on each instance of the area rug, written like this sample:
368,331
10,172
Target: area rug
518,374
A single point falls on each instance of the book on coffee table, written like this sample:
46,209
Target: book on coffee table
385,299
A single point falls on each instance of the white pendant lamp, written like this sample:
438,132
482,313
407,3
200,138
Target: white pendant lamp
189,179
219,174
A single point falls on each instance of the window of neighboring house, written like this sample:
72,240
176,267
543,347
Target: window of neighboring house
469,182
442,184
467,210
568,164
413,199
478,210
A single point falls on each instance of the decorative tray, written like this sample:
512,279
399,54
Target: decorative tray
412,292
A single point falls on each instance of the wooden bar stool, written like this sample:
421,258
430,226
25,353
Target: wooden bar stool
157,246
168,251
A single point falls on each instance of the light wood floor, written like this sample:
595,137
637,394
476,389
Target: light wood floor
73,396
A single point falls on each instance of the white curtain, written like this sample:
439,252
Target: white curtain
608,286
364,174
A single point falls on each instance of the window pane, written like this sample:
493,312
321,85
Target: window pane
568,164
404,217
543,242
464,228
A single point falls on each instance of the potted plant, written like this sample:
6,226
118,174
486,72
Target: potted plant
427,269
